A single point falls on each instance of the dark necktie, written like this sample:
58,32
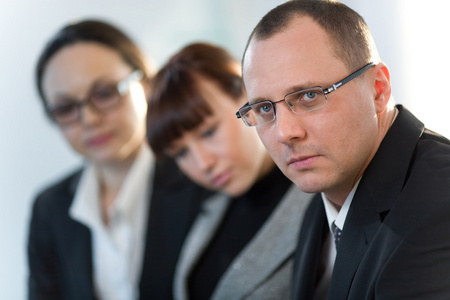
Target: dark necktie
337,234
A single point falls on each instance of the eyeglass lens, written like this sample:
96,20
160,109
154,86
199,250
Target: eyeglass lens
298,102
101,100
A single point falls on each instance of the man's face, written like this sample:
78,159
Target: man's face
325,150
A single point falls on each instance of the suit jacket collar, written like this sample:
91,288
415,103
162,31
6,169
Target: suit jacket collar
75,247
272,245
174,197
264,258
310,243
378,191
81,237
175,202
198,239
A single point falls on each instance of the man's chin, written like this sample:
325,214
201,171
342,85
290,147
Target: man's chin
308,186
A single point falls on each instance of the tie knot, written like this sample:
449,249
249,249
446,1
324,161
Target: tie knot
337,234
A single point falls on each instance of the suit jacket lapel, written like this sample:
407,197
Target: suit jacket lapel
378,191
79,262
359,230
273,244
307,258
75,246
198,239
174,204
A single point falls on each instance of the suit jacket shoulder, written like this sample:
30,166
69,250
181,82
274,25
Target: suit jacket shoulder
404,194
52,237
59,247
395,243
66,187
262,270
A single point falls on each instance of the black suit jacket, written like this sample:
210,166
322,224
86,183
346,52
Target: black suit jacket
60,252
396,240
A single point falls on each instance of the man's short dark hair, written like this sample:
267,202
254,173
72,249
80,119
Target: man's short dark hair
352,40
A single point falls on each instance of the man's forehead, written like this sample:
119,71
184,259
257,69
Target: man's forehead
286,60
301,33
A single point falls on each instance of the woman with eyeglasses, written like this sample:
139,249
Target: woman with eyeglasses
113,229
242,242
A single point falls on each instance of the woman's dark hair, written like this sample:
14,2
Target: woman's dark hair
176,103
91,31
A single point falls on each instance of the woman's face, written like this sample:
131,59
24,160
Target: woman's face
221,153
78,71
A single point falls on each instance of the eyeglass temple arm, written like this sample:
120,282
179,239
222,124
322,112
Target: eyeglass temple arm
124,84
348,78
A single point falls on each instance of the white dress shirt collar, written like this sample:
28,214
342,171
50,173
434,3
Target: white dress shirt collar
338,217
118,248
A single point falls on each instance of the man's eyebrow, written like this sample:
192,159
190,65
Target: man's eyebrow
302,86
257,100
292,89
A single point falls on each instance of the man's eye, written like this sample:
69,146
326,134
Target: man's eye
309,96
266,108
263,108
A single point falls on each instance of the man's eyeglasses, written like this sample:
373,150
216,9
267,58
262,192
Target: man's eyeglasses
299,102
102,100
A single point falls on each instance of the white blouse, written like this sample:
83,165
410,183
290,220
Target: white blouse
117,248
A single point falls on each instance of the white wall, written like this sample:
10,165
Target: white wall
410,38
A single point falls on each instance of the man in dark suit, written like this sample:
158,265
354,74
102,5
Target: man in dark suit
383,180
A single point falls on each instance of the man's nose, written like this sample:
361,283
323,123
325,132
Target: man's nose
288,125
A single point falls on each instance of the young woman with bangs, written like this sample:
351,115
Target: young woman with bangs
243,240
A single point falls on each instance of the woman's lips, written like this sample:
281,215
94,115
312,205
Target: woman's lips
221,179
99,140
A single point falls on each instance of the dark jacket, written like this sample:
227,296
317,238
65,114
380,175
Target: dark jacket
396,240
60,252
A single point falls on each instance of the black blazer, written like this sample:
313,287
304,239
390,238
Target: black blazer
396,240
59,248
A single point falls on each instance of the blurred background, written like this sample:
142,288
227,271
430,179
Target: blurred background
410,35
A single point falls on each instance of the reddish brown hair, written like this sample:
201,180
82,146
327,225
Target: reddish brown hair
176,104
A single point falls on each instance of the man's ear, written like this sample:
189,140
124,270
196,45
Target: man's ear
382,86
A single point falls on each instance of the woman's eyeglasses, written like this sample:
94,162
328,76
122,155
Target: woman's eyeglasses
102,100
